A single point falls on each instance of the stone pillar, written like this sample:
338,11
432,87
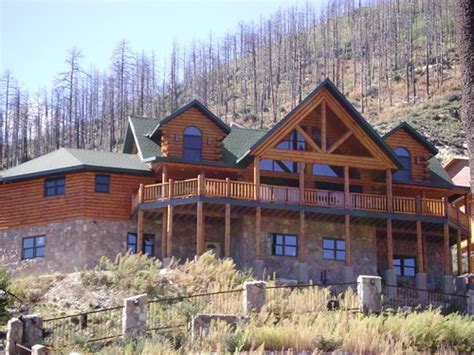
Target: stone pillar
470,302
39,350
460,285
134,316
302,272
348,274
422,284
14,335
254,296
391,281
32,329
448,284
369,291
258,269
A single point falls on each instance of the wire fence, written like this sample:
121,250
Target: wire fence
400,296
84,327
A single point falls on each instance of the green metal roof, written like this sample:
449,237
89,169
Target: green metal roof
137,131
238,142
66,160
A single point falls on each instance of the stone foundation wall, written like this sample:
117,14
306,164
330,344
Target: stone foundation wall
70,245
407,247
364,255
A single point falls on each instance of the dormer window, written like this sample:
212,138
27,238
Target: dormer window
192,144
404,174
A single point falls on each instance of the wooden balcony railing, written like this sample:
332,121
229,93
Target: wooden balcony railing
291,195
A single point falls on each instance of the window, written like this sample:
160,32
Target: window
102,183
404,266
148,244
192,145
285,245
54,186
334,249
323,170
404,174
34,247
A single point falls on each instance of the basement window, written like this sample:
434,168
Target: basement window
404,266
33,247
285,245
148,244
54,186
334,249
102,183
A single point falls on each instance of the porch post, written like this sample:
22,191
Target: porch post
390,275
459,251
389,190
323,126
256,178
346,187
169,221
200,238
227,231
140,219
348,269
258,233
301,182
421,280
448,278
164,237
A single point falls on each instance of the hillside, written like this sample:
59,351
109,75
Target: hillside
295,320
394,59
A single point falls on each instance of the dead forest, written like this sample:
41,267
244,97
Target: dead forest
380,53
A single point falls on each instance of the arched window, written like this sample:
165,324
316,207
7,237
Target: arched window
192,144
404,174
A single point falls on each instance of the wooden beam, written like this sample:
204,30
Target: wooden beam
301,239
258,233
308,139
200,227
256,177
227,232
140,220
347,237
301,182
419,248
164,221
459,251
389,182
341,140
347,195
169,232
446,250
324,158
323,126
164,173
389,245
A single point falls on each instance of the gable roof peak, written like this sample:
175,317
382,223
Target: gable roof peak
415,134
193,104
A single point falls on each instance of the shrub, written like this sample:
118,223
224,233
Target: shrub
5,299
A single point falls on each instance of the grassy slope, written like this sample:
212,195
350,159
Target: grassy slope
296,320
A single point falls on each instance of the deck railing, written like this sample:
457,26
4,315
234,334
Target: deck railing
292,195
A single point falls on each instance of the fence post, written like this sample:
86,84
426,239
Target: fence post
32,329
39,350
134,315
254,296
369,291
14,335
470,302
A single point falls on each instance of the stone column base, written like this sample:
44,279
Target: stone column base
258,269
391,281
302,273
421,283
448,284
348,274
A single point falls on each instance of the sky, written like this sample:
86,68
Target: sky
35,35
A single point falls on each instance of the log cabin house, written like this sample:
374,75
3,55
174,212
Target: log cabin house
319,196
